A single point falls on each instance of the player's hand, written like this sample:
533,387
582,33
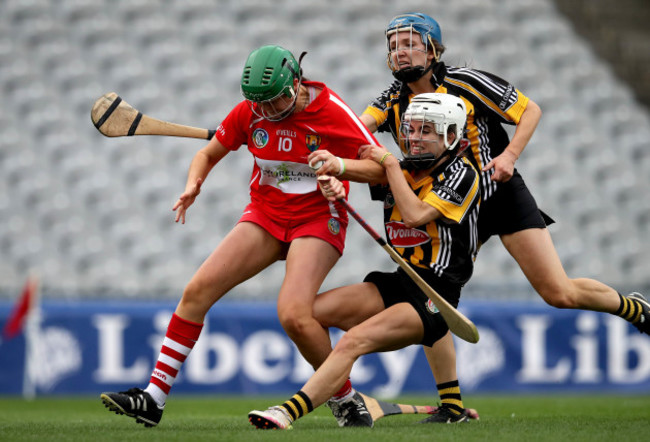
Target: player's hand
324,163
331,188
375,153
503,165
186,200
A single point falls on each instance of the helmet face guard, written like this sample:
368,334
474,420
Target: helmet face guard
416,25
267,82
276,108
419,137
426,118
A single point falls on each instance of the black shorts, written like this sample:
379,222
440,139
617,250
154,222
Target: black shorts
397,287
510,209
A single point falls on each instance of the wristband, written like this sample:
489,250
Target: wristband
341,166
383,158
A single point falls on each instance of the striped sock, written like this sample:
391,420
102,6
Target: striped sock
179,341
298,406
450,396
630,309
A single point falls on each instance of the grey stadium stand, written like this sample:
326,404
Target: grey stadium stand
92,216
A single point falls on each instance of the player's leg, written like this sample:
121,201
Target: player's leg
244,252
535,253
309,260
304,276
441,357
343,308
512,213
295,304
391,329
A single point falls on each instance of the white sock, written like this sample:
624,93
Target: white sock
346,397
157,394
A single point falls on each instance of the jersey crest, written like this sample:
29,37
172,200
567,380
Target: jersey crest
431,307
260,138
334,226
313,141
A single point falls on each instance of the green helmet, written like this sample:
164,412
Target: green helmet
269,72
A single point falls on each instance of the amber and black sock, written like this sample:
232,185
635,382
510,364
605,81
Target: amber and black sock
298,406
450,396
630,309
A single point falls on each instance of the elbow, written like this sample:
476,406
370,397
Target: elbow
411,223
378,178
419,218
209,158
534,110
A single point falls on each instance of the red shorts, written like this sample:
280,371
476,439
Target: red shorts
328,228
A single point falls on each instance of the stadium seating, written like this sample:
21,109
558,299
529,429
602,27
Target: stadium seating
92,215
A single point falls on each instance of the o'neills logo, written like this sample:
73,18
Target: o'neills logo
160,375
401,236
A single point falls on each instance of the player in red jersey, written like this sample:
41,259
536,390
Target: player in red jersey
282,120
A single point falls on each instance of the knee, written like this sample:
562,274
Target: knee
559,302
192,291
196,297
294,321
559,297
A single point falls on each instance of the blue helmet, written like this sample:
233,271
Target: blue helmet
429,32
427,27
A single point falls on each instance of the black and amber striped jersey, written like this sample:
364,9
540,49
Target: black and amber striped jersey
490,100
447,245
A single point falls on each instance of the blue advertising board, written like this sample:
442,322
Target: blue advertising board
90,347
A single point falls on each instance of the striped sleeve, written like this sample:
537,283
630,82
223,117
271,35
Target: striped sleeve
379,115
455,192
489,92
381,107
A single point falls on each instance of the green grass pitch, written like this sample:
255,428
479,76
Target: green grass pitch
503,418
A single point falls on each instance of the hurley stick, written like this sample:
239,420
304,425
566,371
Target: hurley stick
114,117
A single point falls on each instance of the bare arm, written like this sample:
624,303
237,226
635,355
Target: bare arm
360,171
504,164
370,122
201,165
414,211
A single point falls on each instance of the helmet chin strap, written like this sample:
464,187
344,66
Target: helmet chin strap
412,74
425,161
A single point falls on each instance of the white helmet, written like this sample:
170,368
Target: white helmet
446,113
